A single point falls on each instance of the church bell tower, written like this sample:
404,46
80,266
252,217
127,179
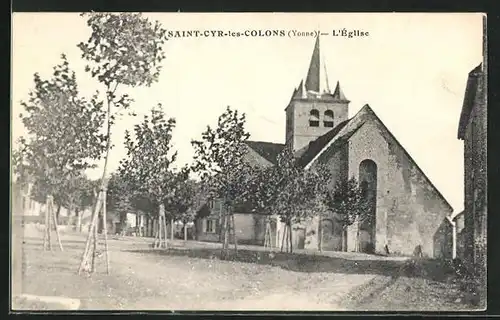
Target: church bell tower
313,110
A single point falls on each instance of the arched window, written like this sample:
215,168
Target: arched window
328,122
314,118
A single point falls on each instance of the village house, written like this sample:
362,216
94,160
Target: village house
249,227
457,222
25,208
407,209
472,130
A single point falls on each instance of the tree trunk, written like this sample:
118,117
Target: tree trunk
100,224
321,234
225,243
78,220
358,244
156,233
194,231
344,239
226,231
46,236
290,237
104,181
171,228
185,232
58,212
137,227
235,239
146,222
267,234
68,221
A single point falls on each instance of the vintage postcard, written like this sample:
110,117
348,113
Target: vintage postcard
248,162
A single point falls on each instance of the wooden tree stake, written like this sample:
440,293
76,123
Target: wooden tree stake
233,228
47,229
49,226
49,219
55,223
283,238
268,235
156,234
105,232
161,231
88,257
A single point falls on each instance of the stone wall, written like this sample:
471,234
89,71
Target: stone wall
475,183
300,109
409,209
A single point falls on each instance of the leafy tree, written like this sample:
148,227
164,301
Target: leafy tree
123,50
119,199
148,165
79,195
182,205
63,132
290,191
348,202
220,160
18,163
300,191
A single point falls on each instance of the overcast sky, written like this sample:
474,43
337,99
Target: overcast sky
411,69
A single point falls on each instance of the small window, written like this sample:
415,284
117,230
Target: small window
210,226
314,113
314,118
328,122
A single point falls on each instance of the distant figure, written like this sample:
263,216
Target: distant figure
386,248
418,251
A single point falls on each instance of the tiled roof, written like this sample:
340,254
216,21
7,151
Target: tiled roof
340,135
266,150
306,154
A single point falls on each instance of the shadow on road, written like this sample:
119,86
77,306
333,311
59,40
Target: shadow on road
424,268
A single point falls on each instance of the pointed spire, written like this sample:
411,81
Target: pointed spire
327,89
317,77
300,91
338,94
313,74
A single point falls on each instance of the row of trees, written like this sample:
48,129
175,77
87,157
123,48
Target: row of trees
67,134
286,189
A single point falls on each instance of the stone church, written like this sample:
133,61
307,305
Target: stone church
407,209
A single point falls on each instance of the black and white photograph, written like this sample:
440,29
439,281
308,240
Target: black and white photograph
248,162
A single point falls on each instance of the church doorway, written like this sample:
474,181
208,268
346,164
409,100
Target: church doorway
367,226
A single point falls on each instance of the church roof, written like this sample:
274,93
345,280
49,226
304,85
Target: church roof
307,154
340,135
469,97
267,150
